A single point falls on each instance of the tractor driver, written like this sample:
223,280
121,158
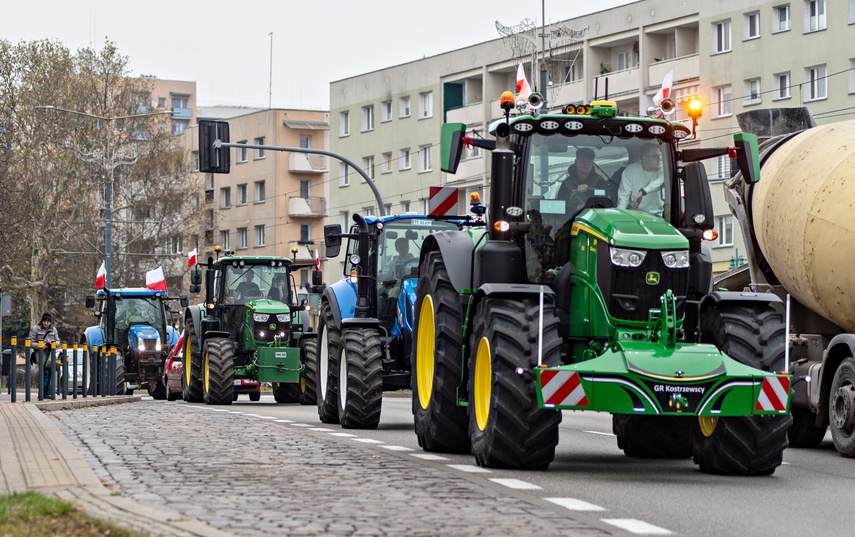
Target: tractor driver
395,269
247,287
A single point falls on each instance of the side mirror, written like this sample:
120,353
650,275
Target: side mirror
332,239
182,299
747,156
699,208
317,277
90,301
452,146
196,277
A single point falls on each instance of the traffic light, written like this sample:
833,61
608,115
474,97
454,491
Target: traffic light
213,159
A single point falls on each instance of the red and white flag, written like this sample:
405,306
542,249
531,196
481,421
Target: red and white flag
664,92
154,279
192,257
317,260
101,277
523,89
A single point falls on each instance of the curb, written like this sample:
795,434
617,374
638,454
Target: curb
68,404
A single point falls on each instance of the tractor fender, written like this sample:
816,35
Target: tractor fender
513,290
194,313
840,347
735,297
342,299
93,336
171,336
456,248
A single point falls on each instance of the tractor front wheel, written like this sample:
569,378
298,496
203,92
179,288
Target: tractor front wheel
329,336
157,390
120,375
360,379
192,379
309,379
286,392
218,371
506,426
653,437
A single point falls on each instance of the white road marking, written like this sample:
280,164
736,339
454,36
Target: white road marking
638,527
301,425
469,468
284,421
514,483
575,505
320,429
396,448
215,409
343,435
599,432
267,417
367,440
429,457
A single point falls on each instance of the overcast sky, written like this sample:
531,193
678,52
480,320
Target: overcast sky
225,46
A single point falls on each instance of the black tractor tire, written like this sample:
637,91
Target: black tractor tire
803,432
743,445
157,390
120,375
286,392
309,380
360,379
329,349
441,425
219,371
841,408
255,396
506,426
192,377
653,437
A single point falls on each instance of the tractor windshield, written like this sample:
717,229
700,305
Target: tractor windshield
563,173
138,310
250,282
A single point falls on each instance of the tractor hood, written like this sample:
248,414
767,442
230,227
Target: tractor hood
630,229
143,337
265,305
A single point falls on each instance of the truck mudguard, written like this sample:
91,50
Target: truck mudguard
456,248
840,347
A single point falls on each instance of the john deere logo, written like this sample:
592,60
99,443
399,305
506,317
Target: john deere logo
652,278
272,326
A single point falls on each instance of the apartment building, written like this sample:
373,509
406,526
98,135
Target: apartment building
734,54
180,97
272,201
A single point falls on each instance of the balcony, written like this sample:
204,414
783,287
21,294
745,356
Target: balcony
685,68
472,114
182,113
621,83
308,163
570,93
307,207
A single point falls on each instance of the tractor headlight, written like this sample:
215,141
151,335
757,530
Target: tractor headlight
676,259
260,317
157,346
283,317
140,343
621,257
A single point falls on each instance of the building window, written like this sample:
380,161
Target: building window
386,111
851,11
752,92
622,61
225,242
305,141
814,15
781,18
404,159
345,220
782,86
724,224
259,194
225,197
259,235
723,167
241,239
425,105
471,152
424,158
241,194
723,96
305,188
258,153
367,118
386,162
751,25
305,232
368,167
178,127
344,123
404,106
194,160
405,207
851,75
816,83
721,36
241,152
344,174
161,102
368,211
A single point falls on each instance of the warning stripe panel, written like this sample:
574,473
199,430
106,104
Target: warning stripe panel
562,388
774,393
442,201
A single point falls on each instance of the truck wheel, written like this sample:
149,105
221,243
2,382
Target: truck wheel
285,392
653,437
360,379
218,371
440,424
192,392
743,445
841,408
329,336
506,426
309,380
803,432
157,389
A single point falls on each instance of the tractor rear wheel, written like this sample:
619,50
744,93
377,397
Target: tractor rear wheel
506,426
120,375
743,445
157,389
803,432
360,379
329,337
841,408
440,423
286,392
653,437
218,371
192,379
309,380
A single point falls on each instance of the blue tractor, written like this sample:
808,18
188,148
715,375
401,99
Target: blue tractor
137,322
365,320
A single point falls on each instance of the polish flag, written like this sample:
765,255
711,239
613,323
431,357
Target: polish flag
523,89
665,91
101,277
154,279
317,260
192,257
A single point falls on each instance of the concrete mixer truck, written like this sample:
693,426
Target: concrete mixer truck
800,241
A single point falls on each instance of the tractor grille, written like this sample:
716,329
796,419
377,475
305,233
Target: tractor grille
627,294
268,330
150,344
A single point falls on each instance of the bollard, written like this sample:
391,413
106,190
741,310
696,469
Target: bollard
64,373
13,371
74,371
41,352
27,370
96,371
52,383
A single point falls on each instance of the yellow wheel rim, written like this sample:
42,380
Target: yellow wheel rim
707,424
425,346
483,383
302,384
187,359
205,369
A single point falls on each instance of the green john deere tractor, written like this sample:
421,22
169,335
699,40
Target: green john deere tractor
591,289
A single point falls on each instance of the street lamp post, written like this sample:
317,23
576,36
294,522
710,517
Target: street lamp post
109,167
